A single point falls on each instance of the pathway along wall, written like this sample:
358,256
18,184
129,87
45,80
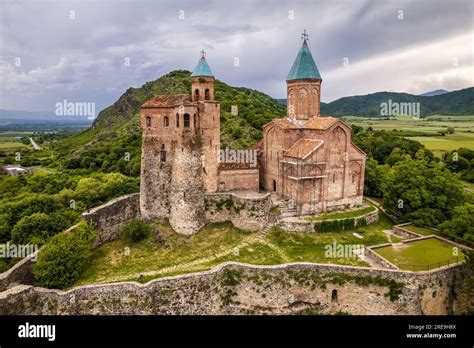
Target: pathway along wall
234,288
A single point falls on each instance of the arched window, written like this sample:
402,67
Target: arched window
166,121
148,121
207,94
274,185
177,120
186,121
194,121
163,153
196,94
333,178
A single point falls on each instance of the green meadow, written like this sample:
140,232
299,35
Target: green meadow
427,131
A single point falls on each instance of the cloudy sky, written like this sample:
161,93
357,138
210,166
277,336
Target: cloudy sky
93,51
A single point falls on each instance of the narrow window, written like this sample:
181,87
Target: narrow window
163,153
334,295
177,120
196,94
333,178
194,120
148,121
274,185
186,121
207,94
166,121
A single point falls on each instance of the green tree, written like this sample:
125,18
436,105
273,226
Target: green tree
38,225
63,258
421,190
374,178
462,223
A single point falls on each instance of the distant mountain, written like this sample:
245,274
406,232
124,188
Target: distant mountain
451,103
12,116
433,93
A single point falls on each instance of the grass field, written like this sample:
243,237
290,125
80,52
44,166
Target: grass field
449,142
215,244
110,260
421,255
10,140
420,230
463,135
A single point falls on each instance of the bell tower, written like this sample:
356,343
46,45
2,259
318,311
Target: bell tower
202,81
304,85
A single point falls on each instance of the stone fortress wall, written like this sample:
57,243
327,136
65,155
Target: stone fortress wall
234,288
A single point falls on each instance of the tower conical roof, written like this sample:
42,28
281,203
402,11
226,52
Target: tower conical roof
304,66
202,68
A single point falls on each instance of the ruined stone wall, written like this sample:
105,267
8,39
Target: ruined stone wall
109,217
244,289
246,213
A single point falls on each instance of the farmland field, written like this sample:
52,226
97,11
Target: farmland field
426,130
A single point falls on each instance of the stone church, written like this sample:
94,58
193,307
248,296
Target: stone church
306,159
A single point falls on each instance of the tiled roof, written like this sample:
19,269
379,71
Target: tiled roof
313,123
304,66
303,148
320,122
168,100
202,68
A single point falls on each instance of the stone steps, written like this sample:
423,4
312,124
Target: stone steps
264,230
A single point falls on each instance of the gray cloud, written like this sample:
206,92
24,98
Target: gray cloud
82,59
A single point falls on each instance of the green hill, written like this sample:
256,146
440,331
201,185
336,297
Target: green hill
116,131
452,103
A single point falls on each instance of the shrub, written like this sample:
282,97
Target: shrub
334,225
135,230
63,258
38,225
